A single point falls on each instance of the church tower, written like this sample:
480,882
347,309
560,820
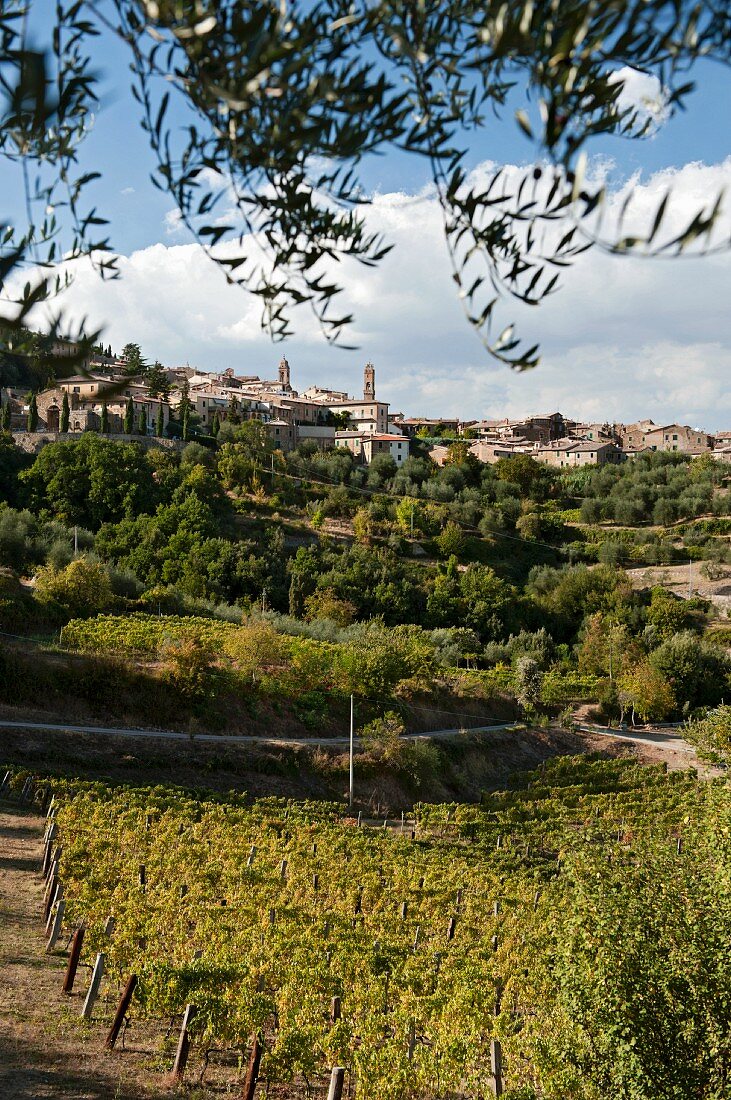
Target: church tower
369,382
284,375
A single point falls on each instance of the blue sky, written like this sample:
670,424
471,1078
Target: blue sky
630,337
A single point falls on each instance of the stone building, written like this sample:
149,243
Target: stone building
568,453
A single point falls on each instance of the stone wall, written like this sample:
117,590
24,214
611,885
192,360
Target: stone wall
33,442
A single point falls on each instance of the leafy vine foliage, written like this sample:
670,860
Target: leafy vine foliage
261,116
562,918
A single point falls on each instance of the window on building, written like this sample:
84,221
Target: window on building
675,437
76,389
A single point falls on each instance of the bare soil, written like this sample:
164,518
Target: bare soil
45,1052
677,577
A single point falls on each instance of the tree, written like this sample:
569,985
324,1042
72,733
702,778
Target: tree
698,674
65,413
382,737
81,588
185,402
646,692
450,540
129,417
216,426
712,734
186,423
32,422
156,381
668,614
255,648
528,680
339,420
90,480
409,514
534,479
457,452
607,648
363,526
105,419
160,422
529,526
188,666
7,416
142,422
134,363
290,81
325,604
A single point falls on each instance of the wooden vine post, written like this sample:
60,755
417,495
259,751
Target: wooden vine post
252,1070
183,1048
93,992
119,1015
337,1080
56,925
74,956
496,1067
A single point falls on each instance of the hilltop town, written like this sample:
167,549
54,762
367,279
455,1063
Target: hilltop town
121,395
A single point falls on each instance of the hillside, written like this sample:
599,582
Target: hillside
465,949
503,582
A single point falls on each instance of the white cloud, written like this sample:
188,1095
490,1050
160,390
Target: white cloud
173,222
642,92
127,191
623,338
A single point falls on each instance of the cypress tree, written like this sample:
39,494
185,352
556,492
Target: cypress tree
160,422
185,423
32,414
142,422
105,420
129,417
215,429
64,425
6,417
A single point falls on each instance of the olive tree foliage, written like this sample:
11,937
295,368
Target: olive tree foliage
261,115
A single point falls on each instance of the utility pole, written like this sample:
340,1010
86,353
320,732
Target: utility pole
350,788
76,541
690,578
263,600
412,521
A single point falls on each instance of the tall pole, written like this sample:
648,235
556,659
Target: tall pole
350,788
76,541
690,578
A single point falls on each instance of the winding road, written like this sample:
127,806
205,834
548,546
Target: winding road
659,737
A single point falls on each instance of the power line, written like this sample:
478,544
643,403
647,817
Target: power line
486,719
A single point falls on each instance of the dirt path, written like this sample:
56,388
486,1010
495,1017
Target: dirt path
45,1052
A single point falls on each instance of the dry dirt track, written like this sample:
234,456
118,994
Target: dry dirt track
44,1053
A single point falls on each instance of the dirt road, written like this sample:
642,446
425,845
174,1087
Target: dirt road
45,1053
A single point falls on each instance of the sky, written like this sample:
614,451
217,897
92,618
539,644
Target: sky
622,339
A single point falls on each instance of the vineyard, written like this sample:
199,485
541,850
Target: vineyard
141,634
291,664
568,938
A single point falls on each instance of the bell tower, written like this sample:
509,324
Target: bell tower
284,374
369,382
